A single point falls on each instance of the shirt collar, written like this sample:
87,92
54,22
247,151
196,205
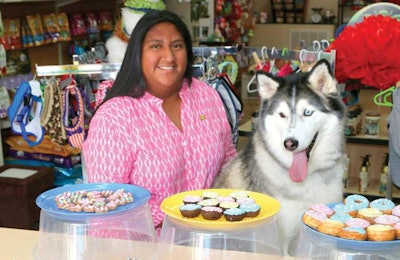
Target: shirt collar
158,101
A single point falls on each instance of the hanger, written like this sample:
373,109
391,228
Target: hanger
324,44
316,46
381,99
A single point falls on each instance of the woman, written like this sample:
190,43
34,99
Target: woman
158,127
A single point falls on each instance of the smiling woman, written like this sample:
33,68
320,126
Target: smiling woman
158,127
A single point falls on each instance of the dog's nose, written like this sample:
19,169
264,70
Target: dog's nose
291,144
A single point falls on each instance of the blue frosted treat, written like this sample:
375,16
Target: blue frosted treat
384,205
190,210
353,233
359,201
341,216
234,214
344,208
252,209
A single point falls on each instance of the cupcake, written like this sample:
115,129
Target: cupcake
252,209
239,195
245,200
211,212
208,202
228,205
225,199
191,199
234,214
190,210
210,195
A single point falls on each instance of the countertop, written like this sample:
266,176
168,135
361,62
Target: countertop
18,244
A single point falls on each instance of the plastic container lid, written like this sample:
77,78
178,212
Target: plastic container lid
46,200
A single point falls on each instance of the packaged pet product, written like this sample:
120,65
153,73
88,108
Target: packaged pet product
384,175
364,174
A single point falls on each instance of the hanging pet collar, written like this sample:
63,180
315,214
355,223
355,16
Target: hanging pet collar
25,111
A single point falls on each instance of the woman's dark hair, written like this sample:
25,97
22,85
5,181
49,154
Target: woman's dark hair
130,81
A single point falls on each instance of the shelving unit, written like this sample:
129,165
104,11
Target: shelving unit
376,147
347,8
288,11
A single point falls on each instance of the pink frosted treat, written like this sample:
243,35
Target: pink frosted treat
313,218
245,201
322,208
396,211
192,199
397,229
357,222
225,199
387,220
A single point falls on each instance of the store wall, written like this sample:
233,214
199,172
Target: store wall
270,34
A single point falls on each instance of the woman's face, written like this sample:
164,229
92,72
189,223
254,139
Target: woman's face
163,60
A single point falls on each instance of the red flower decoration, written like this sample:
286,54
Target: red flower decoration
369,52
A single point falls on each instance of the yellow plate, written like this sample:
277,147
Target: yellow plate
268,208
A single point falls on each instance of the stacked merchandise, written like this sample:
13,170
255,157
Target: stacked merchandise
49,121
37,30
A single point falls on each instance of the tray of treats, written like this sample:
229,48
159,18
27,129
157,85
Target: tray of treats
220,208
355,223
92,199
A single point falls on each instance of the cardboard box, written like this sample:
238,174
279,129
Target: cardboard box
19,187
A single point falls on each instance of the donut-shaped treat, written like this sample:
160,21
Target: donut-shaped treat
396,211
387,220
357,222
345,208
322,208
353,233
313,218
359,201
379,232
341,216
383,205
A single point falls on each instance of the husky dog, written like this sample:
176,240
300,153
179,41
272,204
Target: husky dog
297,152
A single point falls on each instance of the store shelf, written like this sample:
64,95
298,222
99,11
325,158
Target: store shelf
59,3
365,139
372,191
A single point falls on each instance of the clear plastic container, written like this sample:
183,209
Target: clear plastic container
124,233
260,239
198,238
315,245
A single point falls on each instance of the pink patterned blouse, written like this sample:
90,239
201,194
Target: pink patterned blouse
133,141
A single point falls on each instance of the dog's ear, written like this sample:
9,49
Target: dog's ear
267,85
321,79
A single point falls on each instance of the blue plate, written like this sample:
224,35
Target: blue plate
46,200
341,243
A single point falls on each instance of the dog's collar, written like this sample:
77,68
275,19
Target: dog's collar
311,145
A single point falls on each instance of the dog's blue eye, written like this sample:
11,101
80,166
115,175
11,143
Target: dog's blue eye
308,112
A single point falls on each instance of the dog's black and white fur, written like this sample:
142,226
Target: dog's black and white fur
297,111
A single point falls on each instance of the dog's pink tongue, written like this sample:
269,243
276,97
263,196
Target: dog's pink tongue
298,170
